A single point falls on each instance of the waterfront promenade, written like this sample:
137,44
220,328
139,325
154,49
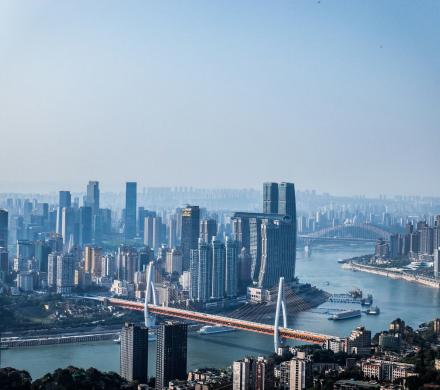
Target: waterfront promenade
393,274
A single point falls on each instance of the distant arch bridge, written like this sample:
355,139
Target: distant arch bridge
347,232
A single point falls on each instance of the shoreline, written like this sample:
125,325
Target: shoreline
392,274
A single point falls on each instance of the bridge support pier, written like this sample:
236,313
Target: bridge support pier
281,305
150,294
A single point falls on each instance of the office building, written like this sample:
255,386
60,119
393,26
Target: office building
286,200
278,251
92,197
85,225
130,209
231,268
67,224
189,233
208,229
270,198
42,250
171,353
4,261
134,353
65,199
3,228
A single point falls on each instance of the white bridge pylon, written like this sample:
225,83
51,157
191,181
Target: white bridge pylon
150,295
281,305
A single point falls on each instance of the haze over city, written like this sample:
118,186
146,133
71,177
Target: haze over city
219,195
337,96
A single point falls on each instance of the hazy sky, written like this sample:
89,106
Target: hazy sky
339,96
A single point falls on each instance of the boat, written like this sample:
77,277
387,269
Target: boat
345,315
117,340
212,329
307,251
342,261
368,301
373,311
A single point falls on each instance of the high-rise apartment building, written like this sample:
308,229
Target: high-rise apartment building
173,261
65,273
127,263
300,375
52,261
359,342
264,374
134,353
270,198
201,272
190,232
171,353
231,268
243,374
218,269
130,209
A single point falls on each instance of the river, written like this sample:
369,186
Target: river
396,298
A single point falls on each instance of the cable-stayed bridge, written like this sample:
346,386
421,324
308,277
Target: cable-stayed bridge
151,309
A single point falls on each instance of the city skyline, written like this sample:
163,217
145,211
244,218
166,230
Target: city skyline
324,94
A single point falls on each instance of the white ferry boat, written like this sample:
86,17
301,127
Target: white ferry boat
212,329
344,315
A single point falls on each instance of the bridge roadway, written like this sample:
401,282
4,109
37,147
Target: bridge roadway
212,319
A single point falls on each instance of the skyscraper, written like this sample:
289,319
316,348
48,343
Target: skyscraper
243,374
65,273
85,225
264,374
270,198
231,269
130,209
171,354
3,228
437,263
300,373
218,269
286,200
92,196
133,356
208,229
65,199
278,251
190,232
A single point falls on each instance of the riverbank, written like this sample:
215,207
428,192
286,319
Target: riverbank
19,342
392,274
